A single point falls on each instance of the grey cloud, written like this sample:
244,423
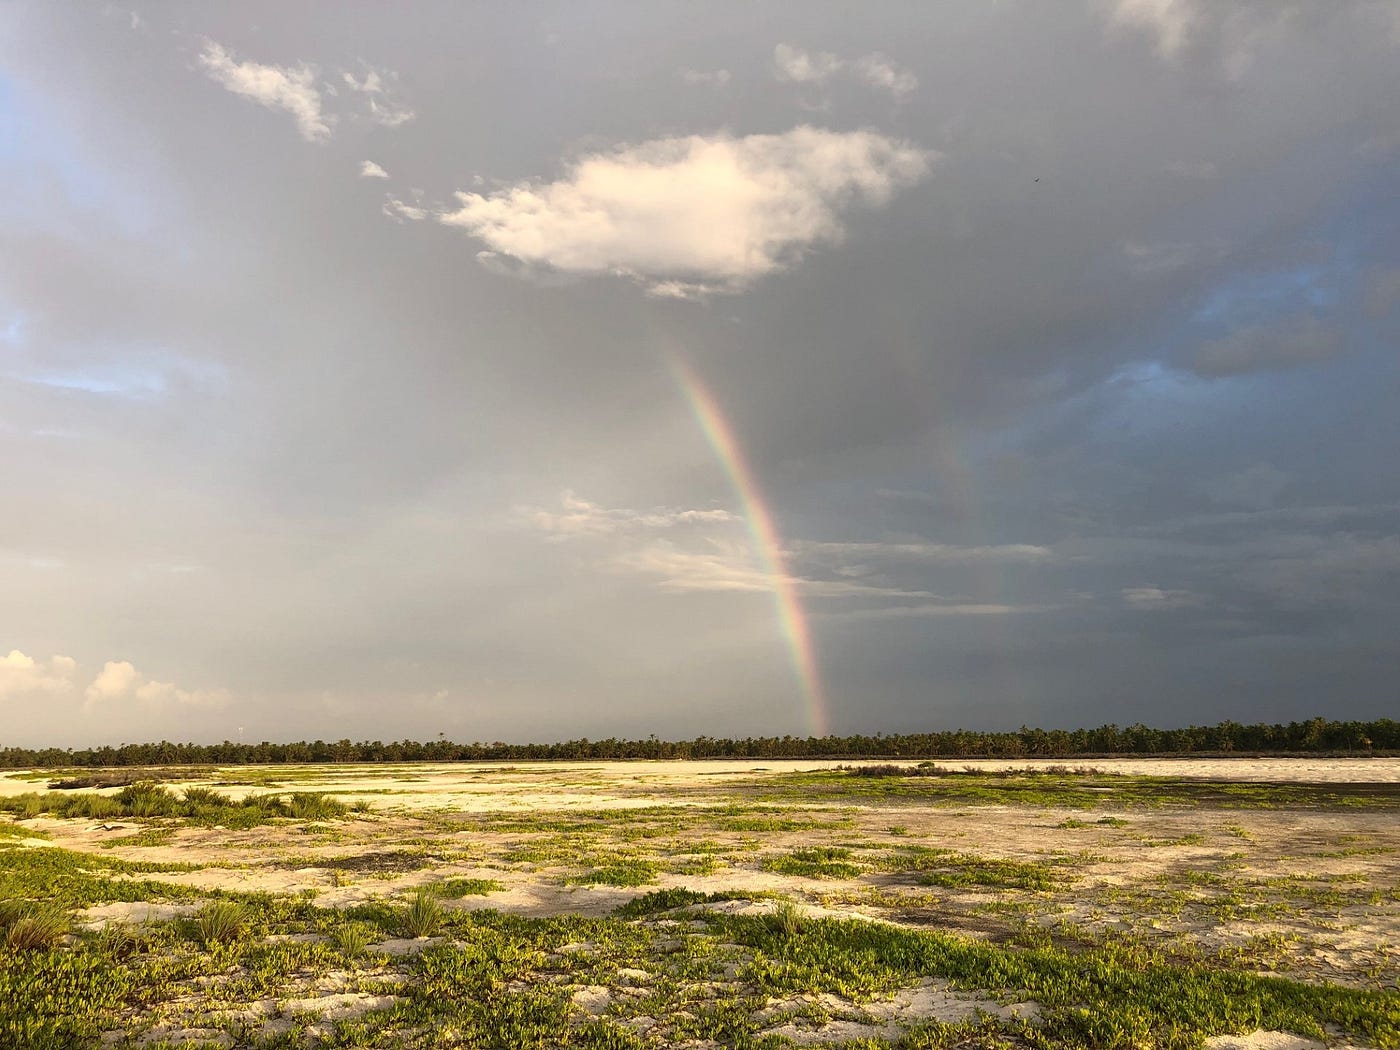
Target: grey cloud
1382,291
934,553
1258,485
1288,344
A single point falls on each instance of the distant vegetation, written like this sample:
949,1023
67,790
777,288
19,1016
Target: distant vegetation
1311,737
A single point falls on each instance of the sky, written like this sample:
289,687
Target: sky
532,372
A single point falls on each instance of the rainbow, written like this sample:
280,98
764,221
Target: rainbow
791,618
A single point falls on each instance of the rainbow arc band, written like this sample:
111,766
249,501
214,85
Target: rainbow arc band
792,619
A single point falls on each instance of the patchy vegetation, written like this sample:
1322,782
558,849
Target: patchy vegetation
198,805
862,911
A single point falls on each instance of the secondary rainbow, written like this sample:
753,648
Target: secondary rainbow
791,617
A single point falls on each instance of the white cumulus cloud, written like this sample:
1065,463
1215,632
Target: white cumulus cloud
1169,22
705,77
693,214
121,683
1154,599
378,88
291,89
371,170
23,677
581,517
796,66
401,210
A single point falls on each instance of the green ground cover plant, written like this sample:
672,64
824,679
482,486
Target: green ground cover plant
1115,944
629,872
455,889
197,805
816,862
503,981
1069,790
73,879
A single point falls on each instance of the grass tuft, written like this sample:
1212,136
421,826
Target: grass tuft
786,920
351,939
29,926
423,916
220,923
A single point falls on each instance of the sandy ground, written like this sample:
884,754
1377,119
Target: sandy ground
1309,892
1323,887
491,785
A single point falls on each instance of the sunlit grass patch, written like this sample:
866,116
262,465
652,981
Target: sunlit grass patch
623,873
80,879
657,901
146,837
816,862
452,889
198,805
19,831
1116,993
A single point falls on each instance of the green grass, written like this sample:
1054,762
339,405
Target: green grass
503,981
1044,788
499,980
148,836
19,831
658,901
31,925
453,889
220,922
198,805
73,879
626,873
940,867
351,939
423,916
1121,993
817,862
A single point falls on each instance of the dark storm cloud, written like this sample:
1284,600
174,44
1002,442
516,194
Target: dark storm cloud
1059,343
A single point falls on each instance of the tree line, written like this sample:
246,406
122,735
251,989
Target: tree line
1314,736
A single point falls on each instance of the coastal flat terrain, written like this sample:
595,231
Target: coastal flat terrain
1108,902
